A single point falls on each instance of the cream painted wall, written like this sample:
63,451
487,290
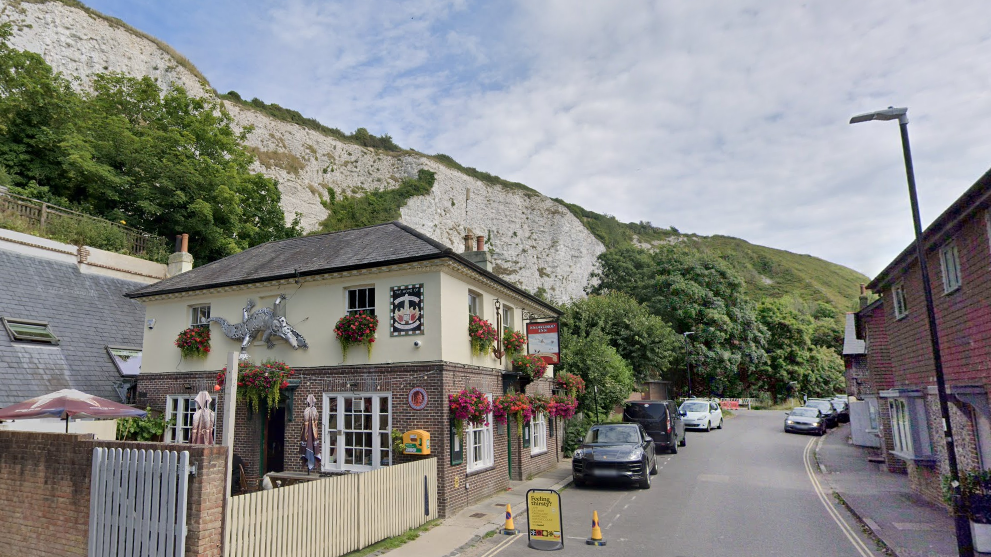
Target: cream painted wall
314,308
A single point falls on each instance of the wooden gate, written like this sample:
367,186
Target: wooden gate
138,503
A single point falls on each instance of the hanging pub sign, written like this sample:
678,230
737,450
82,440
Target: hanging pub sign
406,307
543,340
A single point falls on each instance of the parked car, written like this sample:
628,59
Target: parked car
829,413
842,405
662,421
805,419
702,414
623,452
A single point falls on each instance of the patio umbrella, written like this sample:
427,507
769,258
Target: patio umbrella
67,403
203,421
310,444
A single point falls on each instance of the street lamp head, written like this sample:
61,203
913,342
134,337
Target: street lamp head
688,333
890,113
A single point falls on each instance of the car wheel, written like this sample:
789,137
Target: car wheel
720,426
673,449
822,431
708,426
645,482
684,440
653,469
578,483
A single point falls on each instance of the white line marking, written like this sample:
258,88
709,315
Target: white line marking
823,498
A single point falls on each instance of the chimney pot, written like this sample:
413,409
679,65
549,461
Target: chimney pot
480,243
178,243
185,243
467,243
863,289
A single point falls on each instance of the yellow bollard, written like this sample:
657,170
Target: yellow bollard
596,538
509,529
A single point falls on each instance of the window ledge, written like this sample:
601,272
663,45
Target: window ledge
480,470
920,460
953,291
538,453
902,316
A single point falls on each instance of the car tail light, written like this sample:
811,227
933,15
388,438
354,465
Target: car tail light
667,422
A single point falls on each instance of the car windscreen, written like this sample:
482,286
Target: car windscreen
805,412
613,434
821,405
645,412
695,407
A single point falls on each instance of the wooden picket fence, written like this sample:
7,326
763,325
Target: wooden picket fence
138,503
334,515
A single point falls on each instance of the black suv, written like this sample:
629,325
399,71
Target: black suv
829,413
661,419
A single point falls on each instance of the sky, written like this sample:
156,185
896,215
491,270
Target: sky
715,117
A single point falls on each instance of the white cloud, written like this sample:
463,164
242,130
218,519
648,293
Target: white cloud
715,117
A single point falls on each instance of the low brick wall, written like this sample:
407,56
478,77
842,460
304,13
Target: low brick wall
45,493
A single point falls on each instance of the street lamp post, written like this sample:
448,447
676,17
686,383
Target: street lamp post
965,543
688,364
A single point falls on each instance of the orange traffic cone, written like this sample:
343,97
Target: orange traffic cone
596,538
509,529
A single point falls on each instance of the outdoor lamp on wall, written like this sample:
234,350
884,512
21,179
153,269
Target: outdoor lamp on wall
965,542
498,352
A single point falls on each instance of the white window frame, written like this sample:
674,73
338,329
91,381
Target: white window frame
332,458
29,331
480,436
182,408
909,428
368,308
508,319
538,434
474,303
199,315
898,295
949,260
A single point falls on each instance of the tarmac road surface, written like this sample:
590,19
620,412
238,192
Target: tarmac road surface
748,489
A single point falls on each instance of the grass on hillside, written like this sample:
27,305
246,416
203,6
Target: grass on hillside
373,207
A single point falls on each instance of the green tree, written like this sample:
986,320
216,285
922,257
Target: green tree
643,340
608,377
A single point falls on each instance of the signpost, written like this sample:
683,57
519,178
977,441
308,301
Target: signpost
543,520
542,339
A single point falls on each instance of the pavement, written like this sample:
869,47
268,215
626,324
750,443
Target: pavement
470,525
908,524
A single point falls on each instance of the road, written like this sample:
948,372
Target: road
747,489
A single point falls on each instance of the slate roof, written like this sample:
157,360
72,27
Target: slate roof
360,248
852,346
86,312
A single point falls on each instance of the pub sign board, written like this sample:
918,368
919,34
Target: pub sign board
542,339
406,308
544,522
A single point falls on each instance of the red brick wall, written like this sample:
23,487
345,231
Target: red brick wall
881,372
45,494
456,489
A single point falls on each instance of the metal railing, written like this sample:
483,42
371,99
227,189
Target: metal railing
38,216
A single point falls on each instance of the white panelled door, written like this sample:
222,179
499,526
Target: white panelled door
357,431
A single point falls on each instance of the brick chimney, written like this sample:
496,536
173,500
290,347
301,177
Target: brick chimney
180,261
479,256
864,298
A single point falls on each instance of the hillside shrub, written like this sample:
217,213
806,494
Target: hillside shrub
373,207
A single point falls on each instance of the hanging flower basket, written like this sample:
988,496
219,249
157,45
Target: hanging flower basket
562,406
194,342
259,384
356,328
530,365
570,383
513,404
482,335
469,406
513,342
540,404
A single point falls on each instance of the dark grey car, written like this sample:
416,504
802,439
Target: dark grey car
805,419
661,418
615,452
829,413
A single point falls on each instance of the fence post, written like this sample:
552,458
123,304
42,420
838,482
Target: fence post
44,215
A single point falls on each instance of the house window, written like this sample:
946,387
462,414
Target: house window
898,293
357,432
507,319
181,408
127,360
950,261
361,300
31,331
480,446
473,303
199,316
538,435
909,428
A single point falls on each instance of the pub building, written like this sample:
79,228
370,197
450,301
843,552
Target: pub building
280,302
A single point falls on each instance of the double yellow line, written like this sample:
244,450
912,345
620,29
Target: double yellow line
830,508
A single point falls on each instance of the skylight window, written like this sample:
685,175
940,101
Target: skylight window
127,360
31,331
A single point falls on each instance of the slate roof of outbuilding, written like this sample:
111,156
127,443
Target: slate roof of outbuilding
360,248
86,312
